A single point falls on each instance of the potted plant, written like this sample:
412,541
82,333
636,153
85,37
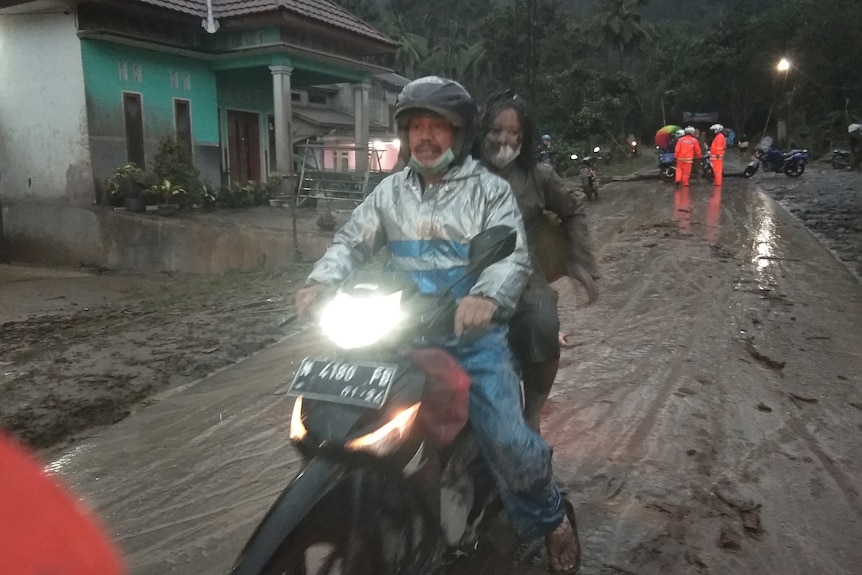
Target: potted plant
170,197
272,188
126,187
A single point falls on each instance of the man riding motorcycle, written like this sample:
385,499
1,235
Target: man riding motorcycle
544,151
427,213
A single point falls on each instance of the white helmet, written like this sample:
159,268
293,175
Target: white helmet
679,133
689,130
716,128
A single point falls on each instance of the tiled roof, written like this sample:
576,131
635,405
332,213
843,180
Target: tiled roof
194,7
321,10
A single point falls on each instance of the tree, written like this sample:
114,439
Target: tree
618,27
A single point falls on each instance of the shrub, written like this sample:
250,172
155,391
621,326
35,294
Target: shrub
173,162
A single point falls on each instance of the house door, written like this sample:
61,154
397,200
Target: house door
243,133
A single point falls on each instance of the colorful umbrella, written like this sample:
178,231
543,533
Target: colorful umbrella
663,135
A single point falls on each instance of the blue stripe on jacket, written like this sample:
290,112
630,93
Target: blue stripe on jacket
423,249
434,281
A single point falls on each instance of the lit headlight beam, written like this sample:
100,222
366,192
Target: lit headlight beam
359,321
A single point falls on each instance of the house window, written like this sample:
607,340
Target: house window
316,97
175,80
123,71
183,123
295,97
187,81
133,113
138,73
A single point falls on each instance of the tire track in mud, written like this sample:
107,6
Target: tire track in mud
666,273
664,379
797,422
617,444
664,410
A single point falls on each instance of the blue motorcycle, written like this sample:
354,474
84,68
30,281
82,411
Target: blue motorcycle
772,159
667,166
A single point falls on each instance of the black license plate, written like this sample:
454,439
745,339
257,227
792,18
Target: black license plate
354,383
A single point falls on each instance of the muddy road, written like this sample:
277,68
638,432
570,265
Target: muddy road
707,421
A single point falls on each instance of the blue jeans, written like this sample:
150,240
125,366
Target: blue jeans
518,458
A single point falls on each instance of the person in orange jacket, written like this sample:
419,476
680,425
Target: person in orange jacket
716,151
44,529
686,151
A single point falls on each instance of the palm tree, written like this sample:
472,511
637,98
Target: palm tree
618,27
412,54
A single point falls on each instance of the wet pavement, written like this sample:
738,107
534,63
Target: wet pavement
707,420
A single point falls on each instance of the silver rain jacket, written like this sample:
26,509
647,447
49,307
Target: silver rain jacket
428,234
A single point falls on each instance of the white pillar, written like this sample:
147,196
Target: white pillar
283,120
284,142
361,117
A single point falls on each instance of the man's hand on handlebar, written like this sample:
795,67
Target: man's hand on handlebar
305,297
474,312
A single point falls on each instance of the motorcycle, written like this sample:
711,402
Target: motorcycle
706,170
772,159
840,159
392,480
667,167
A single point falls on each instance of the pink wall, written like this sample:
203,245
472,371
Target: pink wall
385,150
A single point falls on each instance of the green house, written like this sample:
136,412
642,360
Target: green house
218,74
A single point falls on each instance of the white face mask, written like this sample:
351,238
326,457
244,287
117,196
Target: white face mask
505,156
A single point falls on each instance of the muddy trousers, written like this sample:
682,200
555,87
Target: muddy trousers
718,168
534,337
538,380
518,458
683,171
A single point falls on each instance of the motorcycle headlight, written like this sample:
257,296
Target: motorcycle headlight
385,439
352,321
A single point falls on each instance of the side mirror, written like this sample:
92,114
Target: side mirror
491,246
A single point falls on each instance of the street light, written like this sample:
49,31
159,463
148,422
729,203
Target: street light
782,66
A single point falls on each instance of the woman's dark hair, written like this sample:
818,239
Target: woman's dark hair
496,103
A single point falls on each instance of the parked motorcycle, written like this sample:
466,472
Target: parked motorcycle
706,170
772,159
667,167
392,481
840,159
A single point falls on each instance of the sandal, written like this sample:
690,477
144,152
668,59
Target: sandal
562,539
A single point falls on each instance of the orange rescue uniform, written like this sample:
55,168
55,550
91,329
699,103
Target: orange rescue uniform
716,156
687,149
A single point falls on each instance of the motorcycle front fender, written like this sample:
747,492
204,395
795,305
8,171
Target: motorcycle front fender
293,504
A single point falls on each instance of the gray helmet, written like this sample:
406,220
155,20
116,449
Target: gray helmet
441,96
